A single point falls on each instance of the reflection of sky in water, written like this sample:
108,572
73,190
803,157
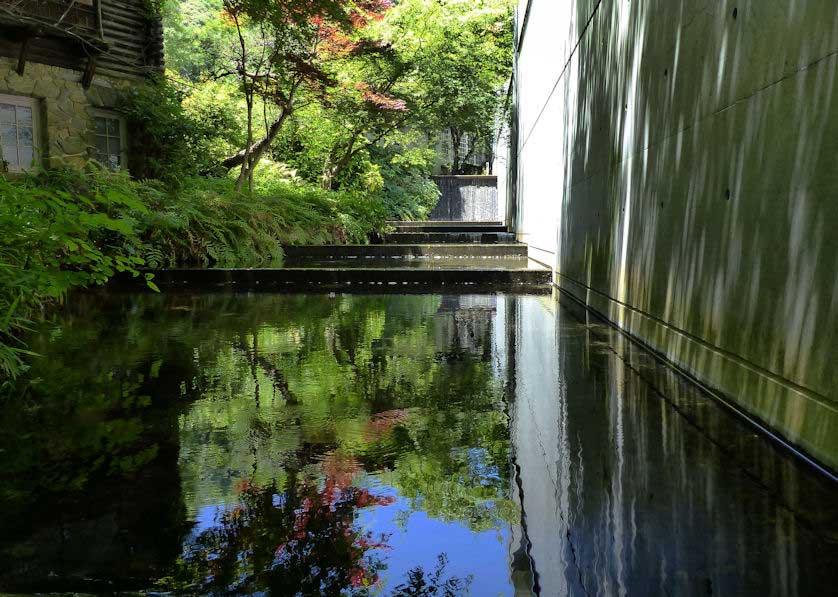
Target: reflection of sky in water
206,519
416,540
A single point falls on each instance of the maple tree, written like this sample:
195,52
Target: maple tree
284,55
352,94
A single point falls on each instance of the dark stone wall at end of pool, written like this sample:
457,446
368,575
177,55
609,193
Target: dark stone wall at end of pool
467,199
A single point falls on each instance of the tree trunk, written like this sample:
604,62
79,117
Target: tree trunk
247,162
455,149
258,148
333,168
472,147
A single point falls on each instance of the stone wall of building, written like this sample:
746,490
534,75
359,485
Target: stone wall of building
65,108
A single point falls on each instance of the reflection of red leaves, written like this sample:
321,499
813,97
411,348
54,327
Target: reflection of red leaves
324,505
366,542
340,469
357,578
383,422
308,525
364,499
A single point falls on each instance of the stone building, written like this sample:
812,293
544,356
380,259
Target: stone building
63,66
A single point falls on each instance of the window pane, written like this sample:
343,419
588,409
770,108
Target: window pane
101,125
113,162
113,127
8,134
27,157
7,114
24,136
10,155
101,147
24,116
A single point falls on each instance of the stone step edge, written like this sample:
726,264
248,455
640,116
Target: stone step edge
443,223
293,279
446,245
453,250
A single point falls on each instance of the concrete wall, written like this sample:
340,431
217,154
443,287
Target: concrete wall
632,485
677,167
65,108
467,199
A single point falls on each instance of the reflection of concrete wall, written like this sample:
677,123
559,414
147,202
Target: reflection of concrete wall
466,322
676,165
539,432
634,483
466,199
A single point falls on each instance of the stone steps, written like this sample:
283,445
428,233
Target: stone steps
409,251
454,237
419,257
448,226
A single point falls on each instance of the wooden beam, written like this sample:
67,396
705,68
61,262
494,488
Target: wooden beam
97,7
21,60
70,6
89,71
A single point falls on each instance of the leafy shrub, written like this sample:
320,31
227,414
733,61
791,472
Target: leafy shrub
51,240
169,141
66,229
209,224
409,193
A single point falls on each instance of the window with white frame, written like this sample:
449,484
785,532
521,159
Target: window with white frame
110,140
18,133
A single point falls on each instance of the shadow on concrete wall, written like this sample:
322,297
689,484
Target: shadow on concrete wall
698,199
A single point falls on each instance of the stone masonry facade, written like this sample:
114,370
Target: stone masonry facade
65,108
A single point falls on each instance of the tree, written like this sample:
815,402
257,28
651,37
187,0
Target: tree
338,89
283,52
463,53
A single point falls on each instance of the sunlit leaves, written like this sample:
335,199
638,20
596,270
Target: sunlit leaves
52,240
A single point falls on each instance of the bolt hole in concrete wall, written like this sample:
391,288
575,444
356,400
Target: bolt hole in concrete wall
467,199
743,298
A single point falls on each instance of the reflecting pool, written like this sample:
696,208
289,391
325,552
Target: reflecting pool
386,445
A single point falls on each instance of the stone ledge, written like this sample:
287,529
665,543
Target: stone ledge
410,251
344,280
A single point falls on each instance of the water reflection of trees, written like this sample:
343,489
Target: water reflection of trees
372,381
421,583
202,396
298,540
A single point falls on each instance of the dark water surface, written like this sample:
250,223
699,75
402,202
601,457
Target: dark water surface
355,445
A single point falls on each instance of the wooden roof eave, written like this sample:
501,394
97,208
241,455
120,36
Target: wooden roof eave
24,28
